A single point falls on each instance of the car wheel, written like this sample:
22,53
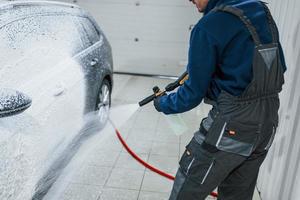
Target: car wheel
103,100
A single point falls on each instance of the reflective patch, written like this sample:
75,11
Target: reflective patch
189,167
209,169
268,56
221,134
271,139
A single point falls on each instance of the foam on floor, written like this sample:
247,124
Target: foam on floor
36,171
118,116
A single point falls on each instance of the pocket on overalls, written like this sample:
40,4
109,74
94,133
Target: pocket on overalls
243,132
233,136
196,163
239,138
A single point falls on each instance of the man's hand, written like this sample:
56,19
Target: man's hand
156,103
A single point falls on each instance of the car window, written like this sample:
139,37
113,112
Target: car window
32,44
90,29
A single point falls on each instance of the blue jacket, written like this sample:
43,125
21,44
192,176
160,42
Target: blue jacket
220,55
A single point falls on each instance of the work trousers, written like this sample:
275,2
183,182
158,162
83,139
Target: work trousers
201,171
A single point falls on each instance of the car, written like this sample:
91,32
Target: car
56,68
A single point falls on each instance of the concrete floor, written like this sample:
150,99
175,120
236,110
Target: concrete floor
113,174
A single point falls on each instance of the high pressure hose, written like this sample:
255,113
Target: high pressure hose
145,164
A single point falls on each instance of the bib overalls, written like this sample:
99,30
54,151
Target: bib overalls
234,139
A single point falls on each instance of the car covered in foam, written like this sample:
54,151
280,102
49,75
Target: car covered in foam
55,68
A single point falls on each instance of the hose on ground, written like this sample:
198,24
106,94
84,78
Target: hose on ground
145,164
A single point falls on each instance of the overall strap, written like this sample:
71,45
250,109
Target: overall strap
271,22
240,14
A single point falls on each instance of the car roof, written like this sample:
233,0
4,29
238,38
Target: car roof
14,10
7,3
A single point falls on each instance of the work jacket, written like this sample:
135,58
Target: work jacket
220,55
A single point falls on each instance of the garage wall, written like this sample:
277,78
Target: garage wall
147,36
280,175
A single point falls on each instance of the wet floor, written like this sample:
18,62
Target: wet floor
108,172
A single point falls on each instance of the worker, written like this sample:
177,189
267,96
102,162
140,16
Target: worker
236,64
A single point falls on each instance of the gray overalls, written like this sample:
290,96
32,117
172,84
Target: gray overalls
233,140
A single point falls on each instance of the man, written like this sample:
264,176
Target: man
236,64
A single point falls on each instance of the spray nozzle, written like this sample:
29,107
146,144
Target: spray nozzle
156,89
172,86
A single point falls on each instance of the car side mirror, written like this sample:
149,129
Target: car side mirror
13,102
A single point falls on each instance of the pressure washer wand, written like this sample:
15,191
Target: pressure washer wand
172,86
180,81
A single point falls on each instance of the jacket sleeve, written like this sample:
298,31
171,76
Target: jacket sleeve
202,60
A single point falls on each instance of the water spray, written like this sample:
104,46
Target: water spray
157,92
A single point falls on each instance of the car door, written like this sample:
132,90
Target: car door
40,56
99,61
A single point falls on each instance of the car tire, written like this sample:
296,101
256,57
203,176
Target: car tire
103,101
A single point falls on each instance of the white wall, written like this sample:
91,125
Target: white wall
280,174
161,27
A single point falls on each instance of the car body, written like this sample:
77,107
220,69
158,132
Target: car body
56,55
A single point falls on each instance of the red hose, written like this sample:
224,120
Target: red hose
136,157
